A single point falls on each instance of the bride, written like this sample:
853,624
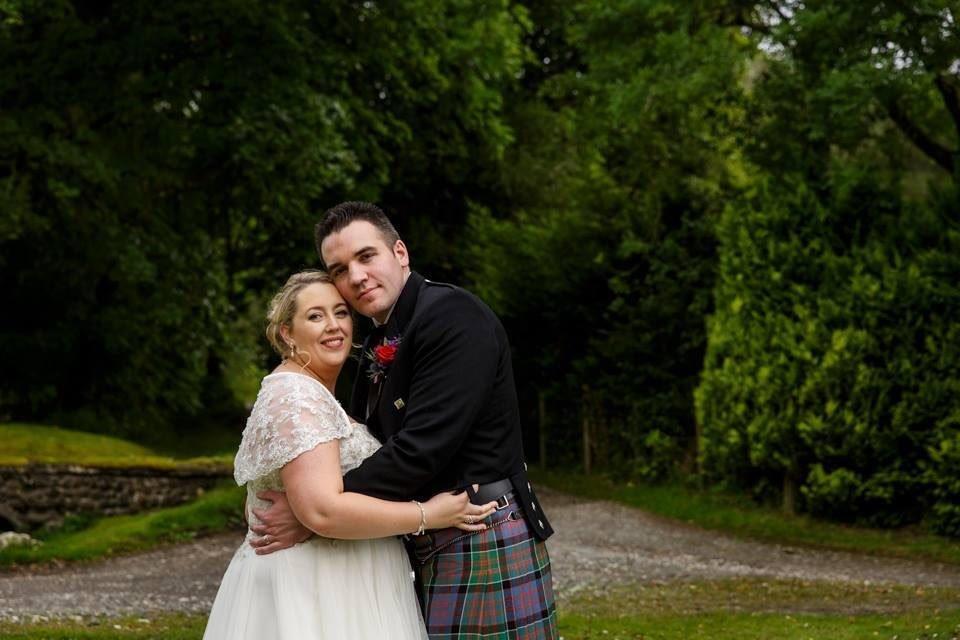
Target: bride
353,579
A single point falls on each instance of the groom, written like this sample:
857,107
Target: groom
436,387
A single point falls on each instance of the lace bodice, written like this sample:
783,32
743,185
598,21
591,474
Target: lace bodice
293,414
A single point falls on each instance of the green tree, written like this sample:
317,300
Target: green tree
844,76
621,162
832,362
830,356
161,168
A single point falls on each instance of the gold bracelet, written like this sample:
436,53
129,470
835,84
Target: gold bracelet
423,519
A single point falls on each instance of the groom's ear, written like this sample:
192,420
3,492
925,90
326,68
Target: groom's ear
400,251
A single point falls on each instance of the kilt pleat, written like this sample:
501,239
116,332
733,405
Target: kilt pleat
488,585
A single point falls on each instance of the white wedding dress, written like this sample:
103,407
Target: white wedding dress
320,589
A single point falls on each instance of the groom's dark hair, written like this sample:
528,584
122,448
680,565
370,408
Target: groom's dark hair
338,217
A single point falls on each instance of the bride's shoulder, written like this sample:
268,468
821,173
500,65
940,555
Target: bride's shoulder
291,381
282,391
293,399
292,414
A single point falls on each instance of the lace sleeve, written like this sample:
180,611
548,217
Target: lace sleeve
292,414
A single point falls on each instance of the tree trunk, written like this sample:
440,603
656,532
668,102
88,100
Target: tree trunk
697,439
542,406
940,154
585,425
790,490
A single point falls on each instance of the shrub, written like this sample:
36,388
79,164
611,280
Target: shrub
833,362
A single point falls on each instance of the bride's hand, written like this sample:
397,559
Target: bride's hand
455,510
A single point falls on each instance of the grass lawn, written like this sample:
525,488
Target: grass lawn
578,621
759,596
738,516
212,511
928,625
33,443
164,627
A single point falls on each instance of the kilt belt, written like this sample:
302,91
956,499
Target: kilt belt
488,584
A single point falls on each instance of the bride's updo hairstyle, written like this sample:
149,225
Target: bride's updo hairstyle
284,306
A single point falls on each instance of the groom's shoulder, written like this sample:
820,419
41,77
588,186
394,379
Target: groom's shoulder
451,300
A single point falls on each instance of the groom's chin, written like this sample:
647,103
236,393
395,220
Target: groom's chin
368,309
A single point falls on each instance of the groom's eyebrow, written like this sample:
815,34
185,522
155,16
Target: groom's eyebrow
334,265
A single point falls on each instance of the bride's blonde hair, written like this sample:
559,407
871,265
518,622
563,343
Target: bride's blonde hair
284,306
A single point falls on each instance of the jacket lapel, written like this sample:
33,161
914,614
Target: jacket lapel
406,304
398,322
361,385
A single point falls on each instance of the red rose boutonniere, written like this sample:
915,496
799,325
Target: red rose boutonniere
381,357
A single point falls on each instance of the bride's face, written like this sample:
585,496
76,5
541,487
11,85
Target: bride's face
322,327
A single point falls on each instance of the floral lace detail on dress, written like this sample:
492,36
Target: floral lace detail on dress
293,414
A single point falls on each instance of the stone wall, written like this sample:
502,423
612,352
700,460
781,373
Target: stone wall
35,495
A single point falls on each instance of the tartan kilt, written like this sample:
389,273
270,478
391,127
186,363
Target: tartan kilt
493,584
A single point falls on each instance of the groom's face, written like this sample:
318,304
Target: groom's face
368,273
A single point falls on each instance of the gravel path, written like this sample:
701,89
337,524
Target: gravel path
597,545
602,544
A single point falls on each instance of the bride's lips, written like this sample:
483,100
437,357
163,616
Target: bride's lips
333,343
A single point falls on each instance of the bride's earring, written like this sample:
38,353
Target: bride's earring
293,350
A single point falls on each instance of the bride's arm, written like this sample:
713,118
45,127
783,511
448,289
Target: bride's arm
315,492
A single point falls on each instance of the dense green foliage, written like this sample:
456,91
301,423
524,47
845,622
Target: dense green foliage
722,234
619,169
832,370
834,359
161,167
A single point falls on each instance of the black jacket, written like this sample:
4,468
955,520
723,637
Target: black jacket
447,410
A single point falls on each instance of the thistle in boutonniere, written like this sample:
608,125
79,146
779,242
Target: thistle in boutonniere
381,357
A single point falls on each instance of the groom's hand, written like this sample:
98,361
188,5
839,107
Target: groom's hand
278,528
